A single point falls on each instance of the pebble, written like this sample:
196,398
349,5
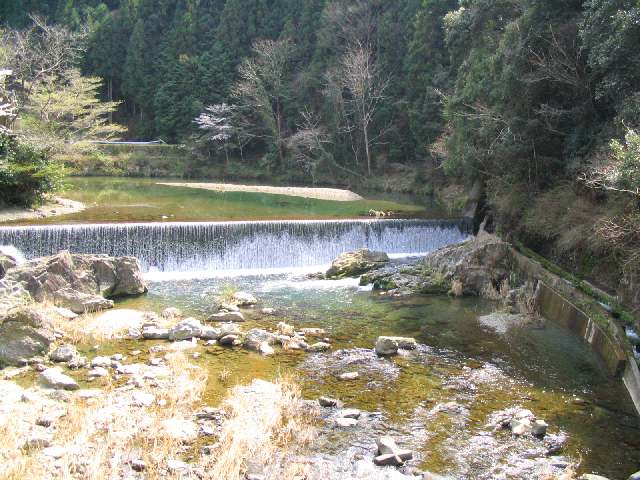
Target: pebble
346,422
349,376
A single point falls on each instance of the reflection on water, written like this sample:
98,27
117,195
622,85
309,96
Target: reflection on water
539,367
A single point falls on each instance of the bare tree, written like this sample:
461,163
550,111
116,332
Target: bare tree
43,51
365,86
263,86
308,144
216,121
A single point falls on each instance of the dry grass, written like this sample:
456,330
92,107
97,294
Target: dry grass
457,288
492,293
266,425
101,435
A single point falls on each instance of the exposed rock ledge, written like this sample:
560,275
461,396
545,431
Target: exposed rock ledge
81,283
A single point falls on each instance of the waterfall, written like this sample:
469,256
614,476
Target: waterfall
205,246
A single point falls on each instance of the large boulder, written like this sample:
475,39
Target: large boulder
24,333
353,264
387,346
6,262
93,277
477,263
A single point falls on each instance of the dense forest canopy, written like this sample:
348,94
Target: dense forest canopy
539,101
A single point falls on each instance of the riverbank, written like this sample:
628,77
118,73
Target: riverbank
333,194
52,208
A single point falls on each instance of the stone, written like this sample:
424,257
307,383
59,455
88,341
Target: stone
230,340
350,413
210,333
56,277
388,460
98,372
520,427
180,429
153,333
25,333
77,362
286,329
103,362
591,476
386,346
177,466
346,422
142,399
634,476
319,347
256,336
328,402
229,329
171,313
353,264
185,330
227,317
54,452
229,307
138,465
266,349
313,332
349,376
244,299
65,313
539,428
80,302
63,353
6,262
54,378
267,311
389,453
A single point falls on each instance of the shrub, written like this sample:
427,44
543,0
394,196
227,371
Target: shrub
27,173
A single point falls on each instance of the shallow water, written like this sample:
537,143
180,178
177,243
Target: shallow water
112,199
536,366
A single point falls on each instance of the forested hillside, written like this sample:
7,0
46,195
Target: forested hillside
537,101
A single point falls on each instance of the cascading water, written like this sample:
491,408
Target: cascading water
211,246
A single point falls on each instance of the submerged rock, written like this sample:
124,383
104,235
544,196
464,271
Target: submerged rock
353,264
227,317
25,333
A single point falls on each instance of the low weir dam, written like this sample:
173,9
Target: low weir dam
212,246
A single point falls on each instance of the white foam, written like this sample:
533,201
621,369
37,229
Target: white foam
13,252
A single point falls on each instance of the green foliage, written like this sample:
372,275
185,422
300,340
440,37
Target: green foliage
27,173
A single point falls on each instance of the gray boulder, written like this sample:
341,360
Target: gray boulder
227,317
63,353
185,330
79,302
54,378
24,333
386,346
6,262
52,278
353,264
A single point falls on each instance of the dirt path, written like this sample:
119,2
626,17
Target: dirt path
59,206
306,192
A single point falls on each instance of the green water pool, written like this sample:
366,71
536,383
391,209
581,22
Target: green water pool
113,199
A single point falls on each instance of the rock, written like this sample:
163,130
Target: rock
229,329
319,347
142,399
54,452
227,317
63,353
295,343
591,476
171,313
350,413
65,313
180,429
103,362
634,476
520,427
539,428
55,278
349,376
6,262
153,333
257,336
210,333
313,332
229,307
266,349
230,340
244,299
177,466
54,378
25,333
267,311
286,329
138,465
346,422
389,453
328,402
477,263
98,372
79,302
77,362
386,346
185,330
353,264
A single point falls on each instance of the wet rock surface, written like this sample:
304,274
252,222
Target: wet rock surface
353,264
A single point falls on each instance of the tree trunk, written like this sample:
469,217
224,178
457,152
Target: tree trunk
366,149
